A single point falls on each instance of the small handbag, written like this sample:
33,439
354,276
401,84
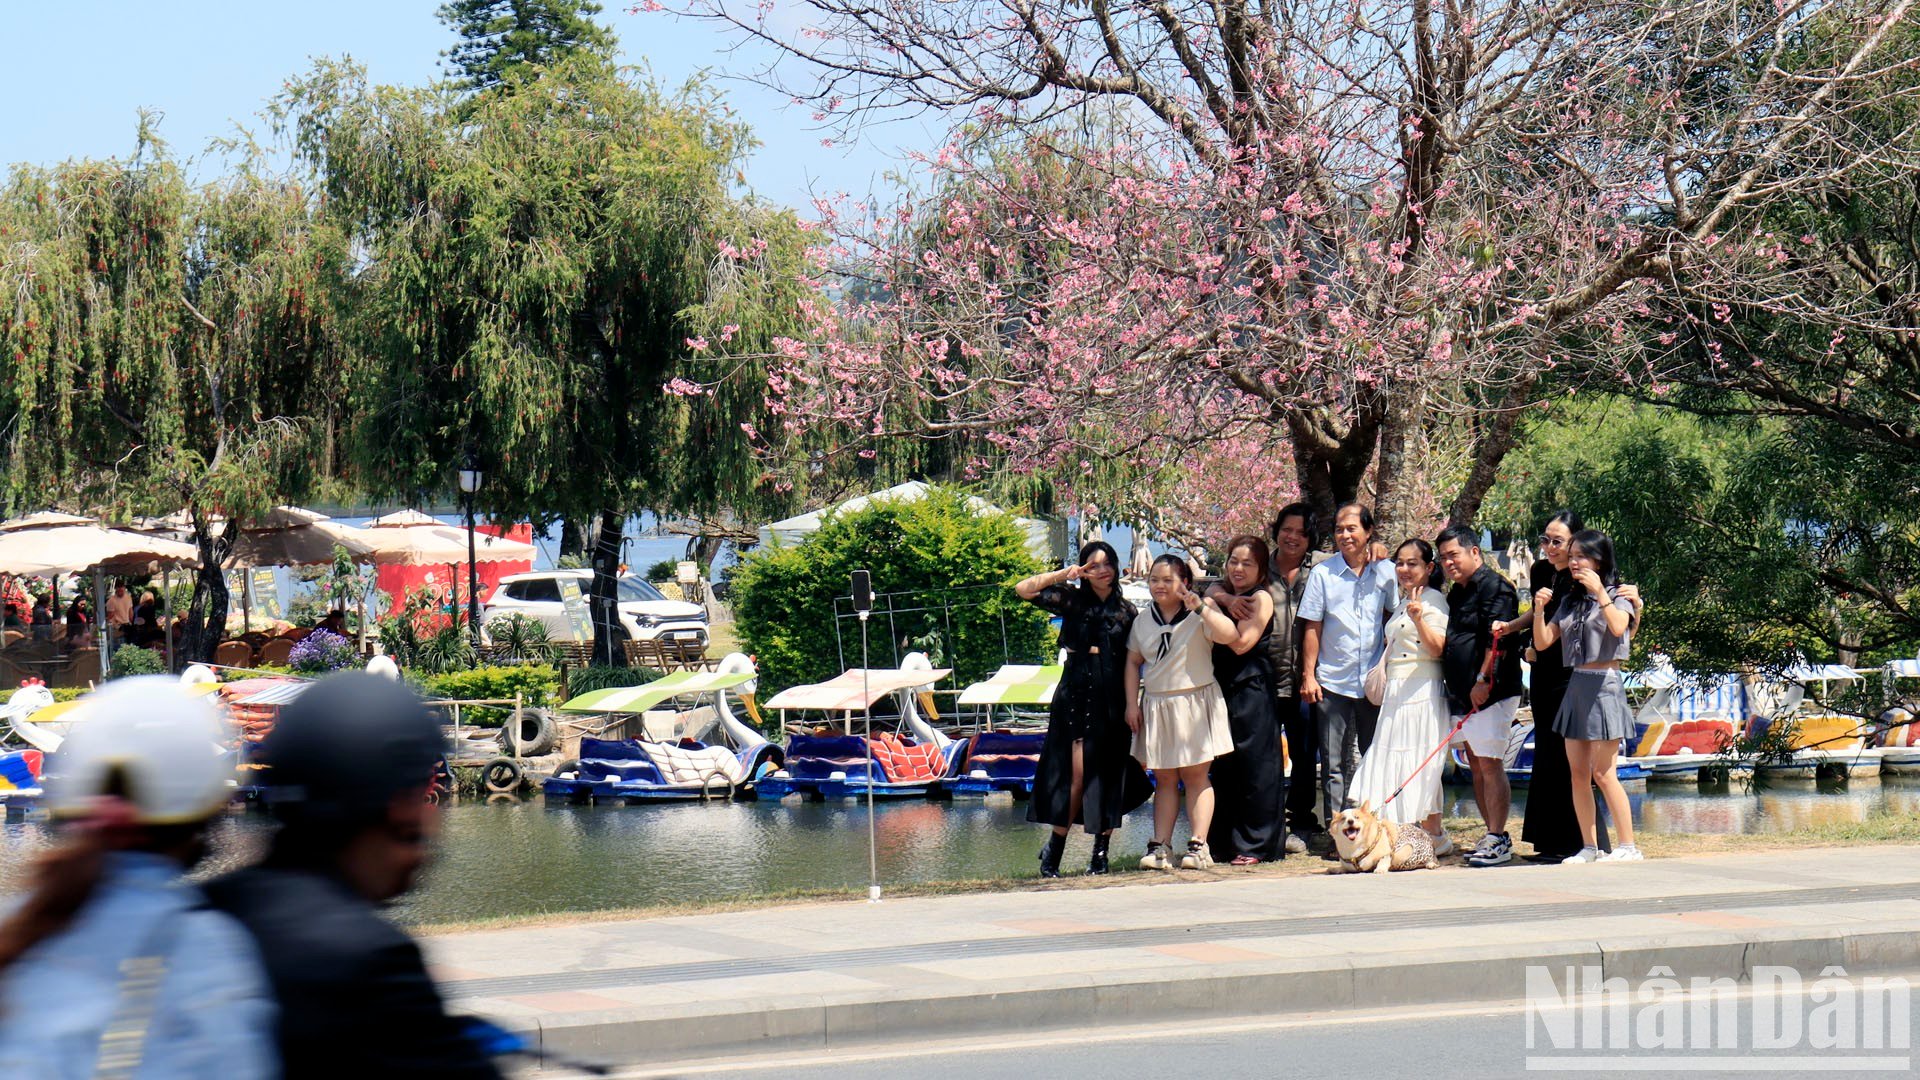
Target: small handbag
1376,683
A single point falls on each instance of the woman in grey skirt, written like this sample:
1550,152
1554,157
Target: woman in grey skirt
1596,626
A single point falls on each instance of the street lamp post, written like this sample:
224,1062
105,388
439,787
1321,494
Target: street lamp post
470,479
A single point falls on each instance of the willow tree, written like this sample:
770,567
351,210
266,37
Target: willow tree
555,280
172,347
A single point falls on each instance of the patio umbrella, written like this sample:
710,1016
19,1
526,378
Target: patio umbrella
43,519
47,544
291,536
70,548
409,538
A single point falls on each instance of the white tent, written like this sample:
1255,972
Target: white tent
796,529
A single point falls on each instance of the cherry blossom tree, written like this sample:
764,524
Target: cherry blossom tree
1329,229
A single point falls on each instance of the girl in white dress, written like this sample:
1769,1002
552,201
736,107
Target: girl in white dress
1413,713
1175,708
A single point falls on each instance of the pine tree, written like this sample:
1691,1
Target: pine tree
500,36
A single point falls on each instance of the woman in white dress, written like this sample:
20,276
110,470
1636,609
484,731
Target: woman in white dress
1413,713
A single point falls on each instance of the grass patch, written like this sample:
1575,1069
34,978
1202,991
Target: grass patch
1887,828
722,638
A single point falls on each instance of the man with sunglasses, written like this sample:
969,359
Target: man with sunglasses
350,763
1479,600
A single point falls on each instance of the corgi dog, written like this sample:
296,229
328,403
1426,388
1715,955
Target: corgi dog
1367,845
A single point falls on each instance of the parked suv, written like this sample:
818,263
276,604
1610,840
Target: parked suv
645,615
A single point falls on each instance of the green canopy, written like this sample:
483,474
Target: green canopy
637,699
1015,684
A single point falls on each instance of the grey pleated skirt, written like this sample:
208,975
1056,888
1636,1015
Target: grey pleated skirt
1595,707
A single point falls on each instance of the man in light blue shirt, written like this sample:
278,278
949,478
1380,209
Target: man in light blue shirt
1345,611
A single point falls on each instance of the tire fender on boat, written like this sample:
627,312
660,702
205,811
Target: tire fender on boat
501,776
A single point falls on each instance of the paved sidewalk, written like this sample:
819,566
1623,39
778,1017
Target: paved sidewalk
840,974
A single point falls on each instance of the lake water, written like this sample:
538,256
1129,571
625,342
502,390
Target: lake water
528,858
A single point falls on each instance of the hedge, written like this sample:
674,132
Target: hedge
539,683
931,550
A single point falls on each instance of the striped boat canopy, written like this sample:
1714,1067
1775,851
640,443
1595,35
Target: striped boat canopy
1904,669
855,689
1015,684
1806,673
638,699
280,693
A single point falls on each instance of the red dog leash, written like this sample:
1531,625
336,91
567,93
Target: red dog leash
1486,672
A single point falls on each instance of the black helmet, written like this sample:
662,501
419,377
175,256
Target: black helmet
343,749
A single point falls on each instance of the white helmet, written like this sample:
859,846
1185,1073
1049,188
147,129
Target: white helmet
150,741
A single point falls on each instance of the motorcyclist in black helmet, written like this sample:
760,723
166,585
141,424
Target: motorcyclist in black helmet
350,764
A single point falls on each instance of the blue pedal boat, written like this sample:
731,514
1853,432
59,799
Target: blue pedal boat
719,755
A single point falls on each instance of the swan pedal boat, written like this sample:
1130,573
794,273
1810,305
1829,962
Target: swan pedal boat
639,771
911,764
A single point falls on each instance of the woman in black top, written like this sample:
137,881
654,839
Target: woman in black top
1549,824
1087,774
1247,784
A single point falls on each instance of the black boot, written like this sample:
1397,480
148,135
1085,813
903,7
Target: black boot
1098,863
1050,855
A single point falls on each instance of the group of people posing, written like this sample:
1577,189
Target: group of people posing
1368,670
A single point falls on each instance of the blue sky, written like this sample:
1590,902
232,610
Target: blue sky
78,71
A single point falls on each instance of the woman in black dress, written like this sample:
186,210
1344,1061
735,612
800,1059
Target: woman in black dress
1549,824
1247,784
1087,774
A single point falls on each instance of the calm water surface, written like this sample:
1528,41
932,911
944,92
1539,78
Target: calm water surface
528,858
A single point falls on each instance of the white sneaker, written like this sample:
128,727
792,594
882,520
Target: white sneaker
1296,844
1196,858
1443,845
1584,855
1485,846
1624,853
1156,858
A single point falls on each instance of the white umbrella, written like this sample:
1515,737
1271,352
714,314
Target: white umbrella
70,549
43,519
400,519
410,538
43,545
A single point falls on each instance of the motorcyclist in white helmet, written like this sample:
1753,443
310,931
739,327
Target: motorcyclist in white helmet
113,964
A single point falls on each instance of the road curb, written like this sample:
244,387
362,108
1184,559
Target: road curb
1240,989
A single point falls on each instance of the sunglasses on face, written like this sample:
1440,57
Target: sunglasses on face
1552,542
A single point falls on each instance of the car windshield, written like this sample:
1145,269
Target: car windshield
632,589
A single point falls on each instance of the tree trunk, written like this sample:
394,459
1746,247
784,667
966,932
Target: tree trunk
703,549
1499,431
603,593
573,537
1330,467
207,611
1395,495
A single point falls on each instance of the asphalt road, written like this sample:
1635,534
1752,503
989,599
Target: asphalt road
1472,1044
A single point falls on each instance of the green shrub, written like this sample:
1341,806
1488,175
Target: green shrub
936,551
68,693
136,661
523,637
664,570
587,679
538,683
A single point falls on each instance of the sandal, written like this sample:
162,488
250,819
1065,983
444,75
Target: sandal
1244,860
